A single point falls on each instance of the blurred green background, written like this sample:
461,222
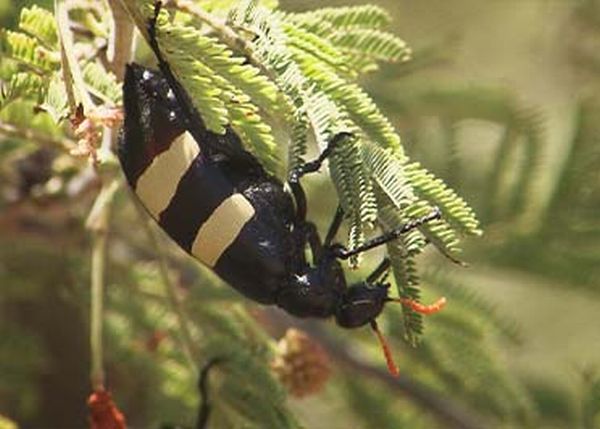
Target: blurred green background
501,100
538,55
541,55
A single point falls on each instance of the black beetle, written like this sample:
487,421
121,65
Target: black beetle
218,203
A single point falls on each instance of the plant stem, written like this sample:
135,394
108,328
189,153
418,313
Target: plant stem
138,18
97,310
121,46
97,223
226,34
73,77
184,336
122,41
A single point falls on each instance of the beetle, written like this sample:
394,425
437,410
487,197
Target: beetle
217,202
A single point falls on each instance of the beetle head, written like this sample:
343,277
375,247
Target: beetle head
361,303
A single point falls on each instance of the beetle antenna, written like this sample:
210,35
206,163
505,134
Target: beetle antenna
421,308
387,352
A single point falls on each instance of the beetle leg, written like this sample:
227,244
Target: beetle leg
335,226
312,166
381,270
314,241
342,252
300,199
311,236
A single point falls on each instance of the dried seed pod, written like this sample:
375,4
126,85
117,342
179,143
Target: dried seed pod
301,364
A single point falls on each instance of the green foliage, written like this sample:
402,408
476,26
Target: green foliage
375,407
302,67
313,71
19,114
40,23
55,103
556,239
509,184
356,33
294,77
454,209
563,233
570,199
102,84
30,67
371,43
27,51
223,88
241,387
590,409
458,353
553,401
565,240
362,16
248,392
19,86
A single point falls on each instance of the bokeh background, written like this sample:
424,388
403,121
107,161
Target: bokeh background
501,100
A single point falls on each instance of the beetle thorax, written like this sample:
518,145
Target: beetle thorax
313,292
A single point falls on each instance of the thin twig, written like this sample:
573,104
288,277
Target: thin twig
97,223
122,41
97,311
185,334
121,46
73,77
11,130
226,34
136,15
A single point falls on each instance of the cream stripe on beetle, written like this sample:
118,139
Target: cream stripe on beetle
158,183
222,228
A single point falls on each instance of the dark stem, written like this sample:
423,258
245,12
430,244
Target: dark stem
204,409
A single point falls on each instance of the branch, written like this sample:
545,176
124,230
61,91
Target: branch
448,412
122,43
97,223
121,47
226,34
136,15
185,338
73,77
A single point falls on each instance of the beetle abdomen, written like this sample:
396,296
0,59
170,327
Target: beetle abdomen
261,255
208,211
